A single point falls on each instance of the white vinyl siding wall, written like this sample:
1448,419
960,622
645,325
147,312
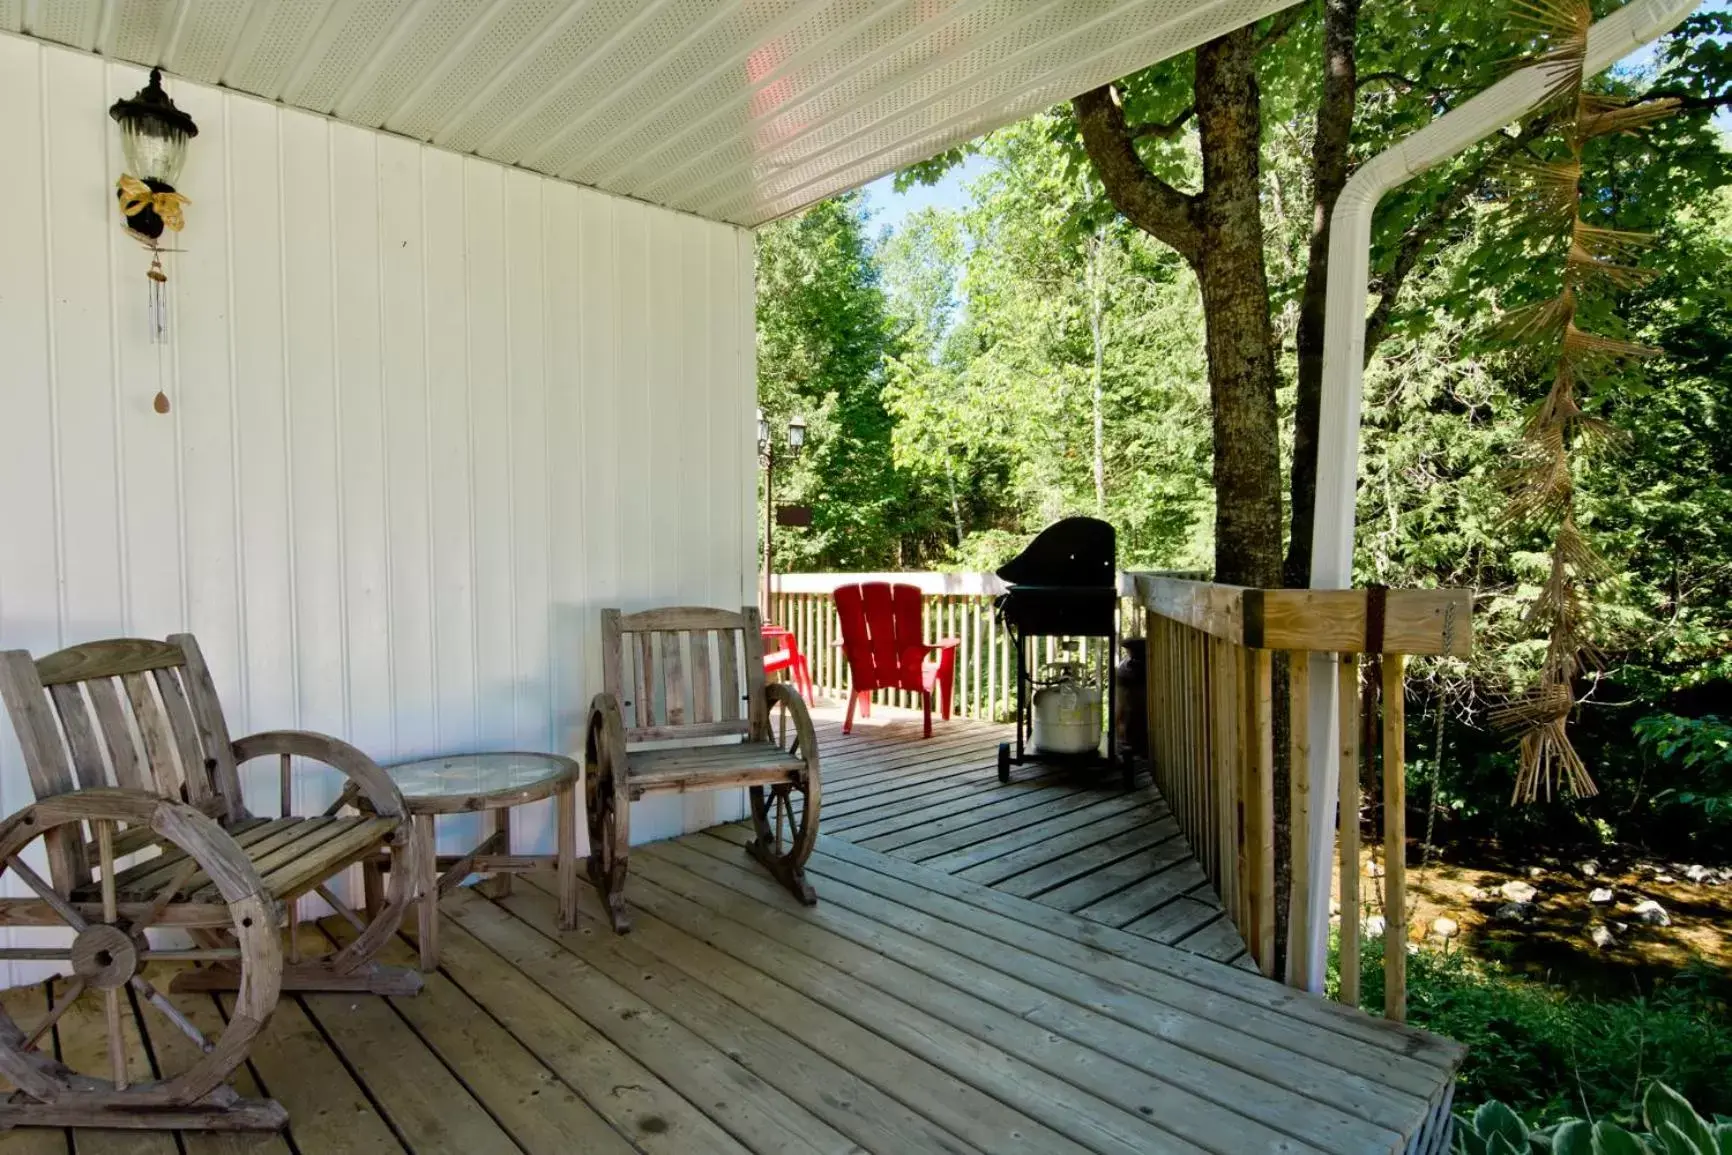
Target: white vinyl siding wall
428,416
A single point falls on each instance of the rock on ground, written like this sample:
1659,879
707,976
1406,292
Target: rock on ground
1517,891
1601,935
1652,913
1514,912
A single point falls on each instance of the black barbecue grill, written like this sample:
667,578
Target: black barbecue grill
1064,585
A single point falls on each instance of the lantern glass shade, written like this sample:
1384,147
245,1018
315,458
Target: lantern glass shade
153,133
763,429
153,151
796,433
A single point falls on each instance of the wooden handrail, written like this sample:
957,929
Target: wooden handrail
1429,621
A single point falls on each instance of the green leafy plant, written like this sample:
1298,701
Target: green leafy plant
1702,748
1670,1126
1549,1053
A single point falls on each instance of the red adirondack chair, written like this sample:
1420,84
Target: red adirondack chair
884,642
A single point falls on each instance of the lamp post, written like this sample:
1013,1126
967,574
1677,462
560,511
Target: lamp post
767,458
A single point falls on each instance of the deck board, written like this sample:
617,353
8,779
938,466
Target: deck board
929,1003
1073,840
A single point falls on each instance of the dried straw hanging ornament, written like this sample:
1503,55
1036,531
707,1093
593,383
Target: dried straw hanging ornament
1542,490
153,136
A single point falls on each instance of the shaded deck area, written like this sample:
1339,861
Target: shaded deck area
1074,840
916,1008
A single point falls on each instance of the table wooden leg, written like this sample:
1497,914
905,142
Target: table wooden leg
427,891
499,885
565,802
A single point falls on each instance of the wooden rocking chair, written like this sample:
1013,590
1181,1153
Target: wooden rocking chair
130,759
673,677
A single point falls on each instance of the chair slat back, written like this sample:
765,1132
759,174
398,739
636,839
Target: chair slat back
685,672
129,712
883,636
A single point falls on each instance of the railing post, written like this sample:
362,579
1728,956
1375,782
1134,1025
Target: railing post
1395,837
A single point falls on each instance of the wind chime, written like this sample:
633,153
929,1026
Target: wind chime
153,135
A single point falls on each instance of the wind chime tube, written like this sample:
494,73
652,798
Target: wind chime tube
158,301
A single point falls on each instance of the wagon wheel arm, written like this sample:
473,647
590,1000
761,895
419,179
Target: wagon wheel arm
607,805
806,735
364,774
604,711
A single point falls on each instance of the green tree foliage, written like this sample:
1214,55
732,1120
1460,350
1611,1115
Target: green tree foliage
824,332
952,363
1004,391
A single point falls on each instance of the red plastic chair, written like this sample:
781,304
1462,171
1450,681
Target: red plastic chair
782,652
884,642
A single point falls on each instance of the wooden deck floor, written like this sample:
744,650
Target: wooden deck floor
1073,840
912,1010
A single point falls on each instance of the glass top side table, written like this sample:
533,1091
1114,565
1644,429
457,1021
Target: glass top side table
467,783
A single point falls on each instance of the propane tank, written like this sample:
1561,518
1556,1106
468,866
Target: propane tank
1067,713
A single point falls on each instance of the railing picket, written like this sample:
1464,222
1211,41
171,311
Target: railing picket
1347,695
1299,821
1260,715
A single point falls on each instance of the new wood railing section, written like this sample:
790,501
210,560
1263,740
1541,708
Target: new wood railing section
1212,653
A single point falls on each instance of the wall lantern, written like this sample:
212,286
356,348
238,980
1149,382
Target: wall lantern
153,135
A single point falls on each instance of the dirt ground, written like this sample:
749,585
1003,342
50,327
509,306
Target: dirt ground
1554,941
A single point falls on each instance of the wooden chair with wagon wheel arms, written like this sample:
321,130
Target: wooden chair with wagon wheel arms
141,819
685,707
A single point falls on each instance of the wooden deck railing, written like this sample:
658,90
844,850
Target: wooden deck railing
1211,694
1211,655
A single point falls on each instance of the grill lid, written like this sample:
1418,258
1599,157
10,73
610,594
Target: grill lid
1078,552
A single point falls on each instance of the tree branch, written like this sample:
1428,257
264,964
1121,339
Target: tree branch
1166,130
1282,24
1396,78
1145,199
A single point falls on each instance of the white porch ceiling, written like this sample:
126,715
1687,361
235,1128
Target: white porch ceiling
735,110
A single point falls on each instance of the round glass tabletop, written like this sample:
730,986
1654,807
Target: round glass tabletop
476,781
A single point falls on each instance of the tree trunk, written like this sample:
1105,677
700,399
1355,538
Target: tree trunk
1329,154
1238,336
1219,232
955,500
1097,329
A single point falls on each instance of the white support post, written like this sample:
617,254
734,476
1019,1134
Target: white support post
1515,96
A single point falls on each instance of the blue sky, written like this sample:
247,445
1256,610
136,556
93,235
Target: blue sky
889,207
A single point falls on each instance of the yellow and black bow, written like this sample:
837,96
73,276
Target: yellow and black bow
136,196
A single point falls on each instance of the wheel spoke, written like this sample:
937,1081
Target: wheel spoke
195,954
105,853
159,903
35,954
74,988
116,1040
160,1001
47,893
341,907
